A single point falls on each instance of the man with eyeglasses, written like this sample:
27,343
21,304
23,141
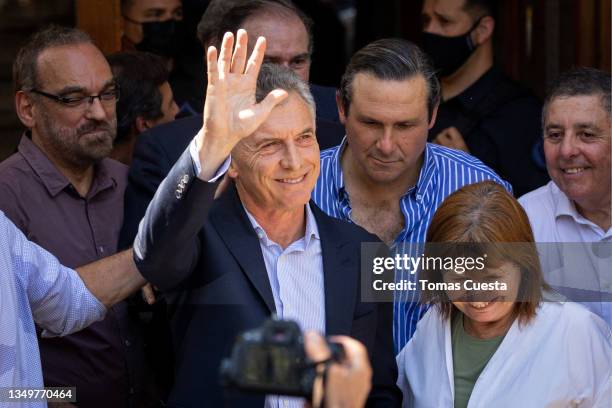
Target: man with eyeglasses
64,194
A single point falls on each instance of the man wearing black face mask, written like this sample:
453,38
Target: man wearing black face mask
482,112
152,25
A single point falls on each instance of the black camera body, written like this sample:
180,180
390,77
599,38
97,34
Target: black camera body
271,360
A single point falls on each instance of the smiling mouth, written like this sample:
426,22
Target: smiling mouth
573,170
292,180
483,305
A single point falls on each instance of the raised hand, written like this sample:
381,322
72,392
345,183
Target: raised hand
230,110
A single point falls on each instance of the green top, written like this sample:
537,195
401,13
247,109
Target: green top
470,356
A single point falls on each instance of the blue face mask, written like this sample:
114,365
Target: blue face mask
448,54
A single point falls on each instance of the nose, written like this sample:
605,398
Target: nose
569,146
385,143
96,110
292,157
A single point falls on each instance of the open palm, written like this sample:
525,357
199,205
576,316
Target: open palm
231,112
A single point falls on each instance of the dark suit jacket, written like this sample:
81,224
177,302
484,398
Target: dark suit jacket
205,256
159,148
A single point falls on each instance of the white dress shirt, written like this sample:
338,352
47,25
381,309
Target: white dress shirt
576,254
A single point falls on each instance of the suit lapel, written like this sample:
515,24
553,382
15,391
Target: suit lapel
231,222
339,276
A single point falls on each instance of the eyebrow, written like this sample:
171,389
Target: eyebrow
273,139
404,121
75,89
440,15
581,125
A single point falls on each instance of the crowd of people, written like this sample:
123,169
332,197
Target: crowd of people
141,236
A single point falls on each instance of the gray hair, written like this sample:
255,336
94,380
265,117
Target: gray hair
390,59
580,82
274,76
25,67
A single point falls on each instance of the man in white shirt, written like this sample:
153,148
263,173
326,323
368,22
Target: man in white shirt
575,207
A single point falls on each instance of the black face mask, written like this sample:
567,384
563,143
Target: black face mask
161,37
448,54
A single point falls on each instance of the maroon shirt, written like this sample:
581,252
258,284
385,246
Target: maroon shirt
99,360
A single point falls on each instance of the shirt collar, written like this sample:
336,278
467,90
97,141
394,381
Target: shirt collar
53,180
424,181
311,230
564,207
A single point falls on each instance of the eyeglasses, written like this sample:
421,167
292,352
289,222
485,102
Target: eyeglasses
107,97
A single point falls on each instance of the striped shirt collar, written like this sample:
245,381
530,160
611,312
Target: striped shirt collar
426,173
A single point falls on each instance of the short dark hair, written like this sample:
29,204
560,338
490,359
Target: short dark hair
222,16
580,82
139,76
480,8
25,66
391,59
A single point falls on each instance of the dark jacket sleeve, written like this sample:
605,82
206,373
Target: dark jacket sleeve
155,153
167,247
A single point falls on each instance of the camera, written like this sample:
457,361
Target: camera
271,360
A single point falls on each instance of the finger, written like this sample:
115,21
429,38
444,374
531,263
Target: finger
225,56
355,352
240,53
147,294
262,109
211,65
316,347
256,58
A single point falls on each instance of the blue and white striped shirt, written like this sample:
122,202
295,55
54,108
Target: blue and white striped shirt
296,279
443,171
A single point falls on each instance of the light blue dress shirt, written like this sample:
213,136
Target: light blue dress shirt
296,279
35,287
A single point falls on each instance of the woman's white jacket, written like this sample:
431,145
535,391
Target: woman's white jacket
563,358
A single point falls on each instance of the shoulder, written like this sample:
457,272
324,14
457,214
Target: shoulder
327,155
455,164
541,199
328,161
577,322
14,165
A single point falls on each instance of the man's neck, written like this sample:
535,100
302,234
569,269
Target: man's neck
475,67
282,226
600,215
80,176
355,180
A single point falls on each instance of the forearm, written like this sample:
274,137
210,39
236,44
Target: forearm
112,279
166,248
